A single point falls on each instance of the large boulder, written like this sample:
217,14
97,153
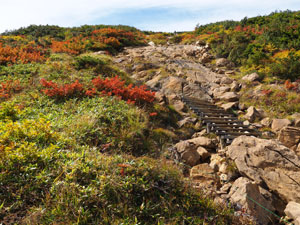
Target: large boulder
292,210
278,124
194,150
246,194
290,137
268,163
205,142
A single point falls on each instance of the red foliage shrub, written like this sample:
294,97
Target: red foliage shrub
267,92
24,54
115,86
108,87
63,91
8,88
290,86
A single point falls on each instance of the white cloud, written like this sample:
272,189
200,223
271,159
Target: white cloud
17,13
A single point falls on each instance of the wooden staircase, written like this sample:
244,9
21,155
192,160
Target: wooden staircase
224,124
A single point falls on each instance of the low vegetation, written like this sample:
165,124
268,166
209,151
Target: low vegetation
80,143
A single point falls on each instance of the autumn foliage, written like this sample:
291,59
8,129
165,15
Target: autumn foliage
23,54
8,88
107,87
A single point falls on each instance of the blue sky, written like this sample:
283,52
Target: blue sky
154,15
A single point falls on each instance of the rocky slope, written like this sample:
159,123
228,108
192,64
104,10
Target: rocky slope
253,174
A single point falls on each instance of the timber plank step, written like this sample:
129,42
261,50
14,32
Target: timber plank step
223,123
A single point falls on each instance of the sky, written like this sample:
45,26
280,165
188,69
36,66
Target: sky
150,15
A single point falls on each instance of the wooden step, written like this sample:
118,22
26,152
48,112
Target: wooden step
222,122
236,126
199,109
231,129
220,118
235,134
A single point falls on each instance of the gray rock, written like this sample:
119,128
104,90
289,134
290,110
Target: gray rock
268,162
204,154
292,210
252,114
151,43
172,84
222,62
205,142
290,137
251,77
230,105
204,176
226,80
191,158
185,121
229,96
278,124
243,192
266,122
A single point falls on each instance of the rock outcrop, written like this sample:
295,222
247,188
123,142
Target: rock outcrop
246,194
269,164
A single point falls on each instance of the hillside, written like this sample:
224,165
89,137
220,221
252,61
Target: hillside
84,141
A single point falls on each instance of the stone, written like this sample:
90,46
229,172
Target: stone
230,105
199,134
191,158
186,121
154,82
217,92
234,86
278,124
184,146
151,43
175,100
289,136
222,62
252,114
223,178
226,80
292,210
206,58
195,91
242,106
205,142
246,123
226,187
204,154
223,168
188,152
266,122
229,96
251,77
215,162
243,191
268,162
296,119
203,175
172,84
